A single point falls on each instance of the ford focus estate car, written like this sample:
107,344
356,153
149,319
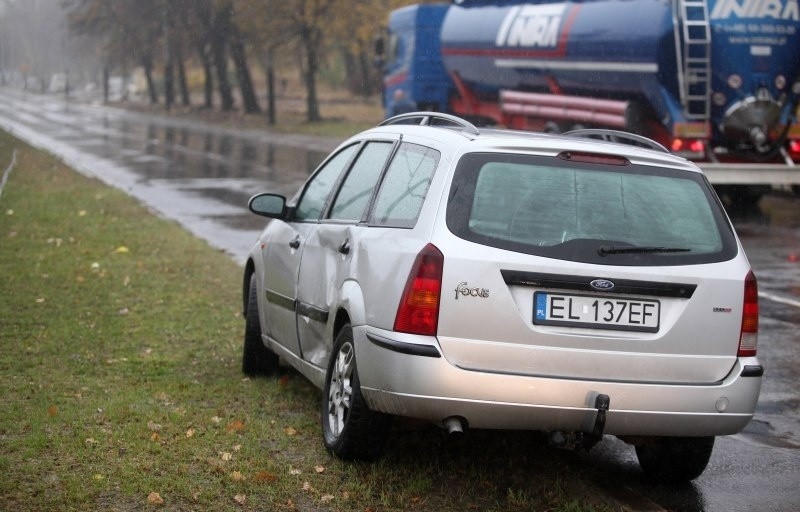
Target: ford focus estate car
508,280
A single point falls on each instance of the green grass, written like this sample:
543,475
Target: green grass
120,378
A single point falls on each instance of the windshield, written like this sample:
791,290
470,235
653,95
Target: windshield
608,214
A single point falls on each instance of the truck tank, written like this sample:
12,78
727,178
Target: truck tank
725,73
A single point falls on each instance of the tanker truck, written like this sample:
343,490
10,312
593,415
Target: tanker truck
715,81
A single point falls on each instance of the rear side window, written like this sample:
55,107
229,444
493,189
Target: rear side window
356,191
404,187
580,211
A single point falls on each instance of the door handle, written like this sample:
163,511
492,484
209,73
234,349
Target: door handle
345,247
295,243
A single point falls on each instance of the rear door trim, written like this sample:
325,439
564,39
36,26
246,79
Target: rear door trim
582,283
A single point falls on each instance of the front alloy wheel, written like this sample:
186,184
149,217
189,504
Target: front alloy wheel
350,429
257,359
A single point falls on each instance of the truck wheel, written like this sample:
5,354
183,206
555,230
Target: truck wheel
257,359
350,429
675,459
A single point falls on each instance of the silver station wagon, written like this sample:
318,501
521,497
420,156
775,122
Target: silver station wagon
580,285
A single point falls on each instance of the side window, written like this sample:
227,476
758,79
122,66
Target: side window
317,191
356,191
404,188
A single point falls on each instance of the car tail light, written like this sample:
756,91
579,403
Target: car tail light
748,339
418,312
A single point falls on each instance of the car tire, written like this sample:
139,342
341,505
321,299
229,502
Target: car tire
350,429
257,359
675,459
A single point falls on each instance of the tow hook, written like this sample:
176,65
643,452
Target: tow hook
584,439
589,439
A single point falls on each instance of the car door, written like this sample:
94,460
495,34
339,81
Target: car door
329,249
284,246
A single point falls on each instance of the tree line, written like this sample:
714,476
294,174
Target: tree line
225,37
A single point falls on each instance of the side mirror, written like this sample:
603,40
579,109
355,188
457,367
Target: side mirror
268,205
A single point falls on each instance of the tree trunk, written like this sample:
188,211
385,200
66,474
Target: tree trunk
367,83
169,83
147,64
270,71
105,83
309,43
185,97
169,59
208,72
249,100
219,43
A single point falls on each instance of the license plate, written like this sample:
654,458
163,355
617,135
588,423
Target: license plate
616,313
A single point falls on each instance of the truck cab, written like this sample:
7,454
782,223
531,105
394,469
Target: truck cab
413,60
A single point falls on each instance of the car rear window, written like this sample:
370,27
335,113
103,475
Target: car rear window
587,212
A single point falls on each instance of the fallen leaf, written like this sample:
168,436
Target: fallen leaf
95,266
155,499
307,486
216,420
295,472
123,311
290,431
90,441
236,476
225,456
240,499
264,477
122,250
319,469
235,426
52,410
155,427
40,300
9,212
98,477
155,437
237,447
82,213
190,432
326,498
283,380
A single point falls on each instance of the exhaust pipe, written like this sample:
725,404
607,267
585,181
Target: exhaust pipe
455,426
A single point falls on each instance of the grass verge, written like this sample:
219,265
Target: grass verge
120,383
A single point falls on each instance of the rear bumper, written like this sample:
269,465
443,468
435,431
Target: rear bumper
406,376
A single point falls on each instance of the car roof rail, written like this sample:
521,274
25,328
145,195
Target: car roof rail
617,136
432,119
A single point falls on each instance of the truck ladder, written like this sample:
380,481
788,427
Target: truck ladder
694,61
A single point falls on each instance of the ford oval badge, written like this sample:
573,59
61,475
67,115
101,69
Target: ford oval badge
602,285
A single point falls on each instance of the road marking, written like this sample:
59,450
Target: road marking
781,300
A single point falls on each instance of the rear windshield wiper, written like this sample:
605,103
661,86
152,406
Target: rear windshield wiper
634,249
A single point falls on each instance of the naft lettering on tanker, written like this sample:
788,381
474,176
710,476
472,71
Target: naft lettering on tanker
759,23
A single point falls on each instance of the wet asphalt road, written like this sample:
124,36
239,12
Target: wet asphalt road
201,176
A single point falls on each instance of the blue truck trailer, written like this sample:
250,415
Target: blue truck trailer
716,81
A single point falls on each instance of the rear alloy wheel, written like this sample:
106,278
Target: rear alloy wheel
675,459
257,359
350,429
